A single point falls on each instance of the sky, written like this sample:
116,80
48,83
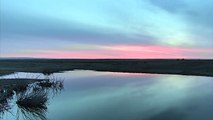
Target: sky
106,28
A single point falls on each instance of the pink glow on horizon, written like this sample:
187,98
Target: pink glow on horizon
121,51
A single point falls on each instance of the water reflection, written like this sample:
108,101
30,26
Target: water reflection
91,95
29,95
94,95
33,105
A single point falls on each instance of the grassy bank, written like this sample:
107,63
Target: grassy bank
161,66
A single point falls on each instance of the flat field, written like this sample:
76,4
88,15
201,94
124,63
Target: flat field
157,66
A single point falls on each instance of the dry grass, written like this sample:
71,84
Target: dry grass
33,105
32,96
160,66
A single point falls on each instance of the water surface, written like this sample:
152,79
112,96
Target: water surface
91,95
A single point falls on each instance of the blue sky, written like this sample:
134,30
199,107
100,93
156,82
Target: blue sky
97,28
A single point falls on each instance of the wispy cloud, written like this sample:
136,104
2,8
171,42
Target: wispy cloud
107,25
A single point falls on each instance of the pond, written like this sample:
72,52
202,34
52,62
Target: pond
92,95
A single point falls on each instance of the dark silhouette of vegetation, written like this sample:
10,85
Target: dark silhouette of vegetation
199,67
32,105
30,96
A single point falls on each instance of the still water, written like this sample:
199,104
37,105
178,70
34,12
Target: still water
91,95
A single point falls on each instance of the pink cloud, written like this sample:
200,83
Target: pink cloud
122,51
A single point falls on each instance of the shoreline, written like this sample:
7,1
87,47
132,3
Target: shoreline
196,67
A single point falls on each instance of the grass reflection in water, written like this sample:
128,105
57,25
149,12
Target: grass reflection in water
30,96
